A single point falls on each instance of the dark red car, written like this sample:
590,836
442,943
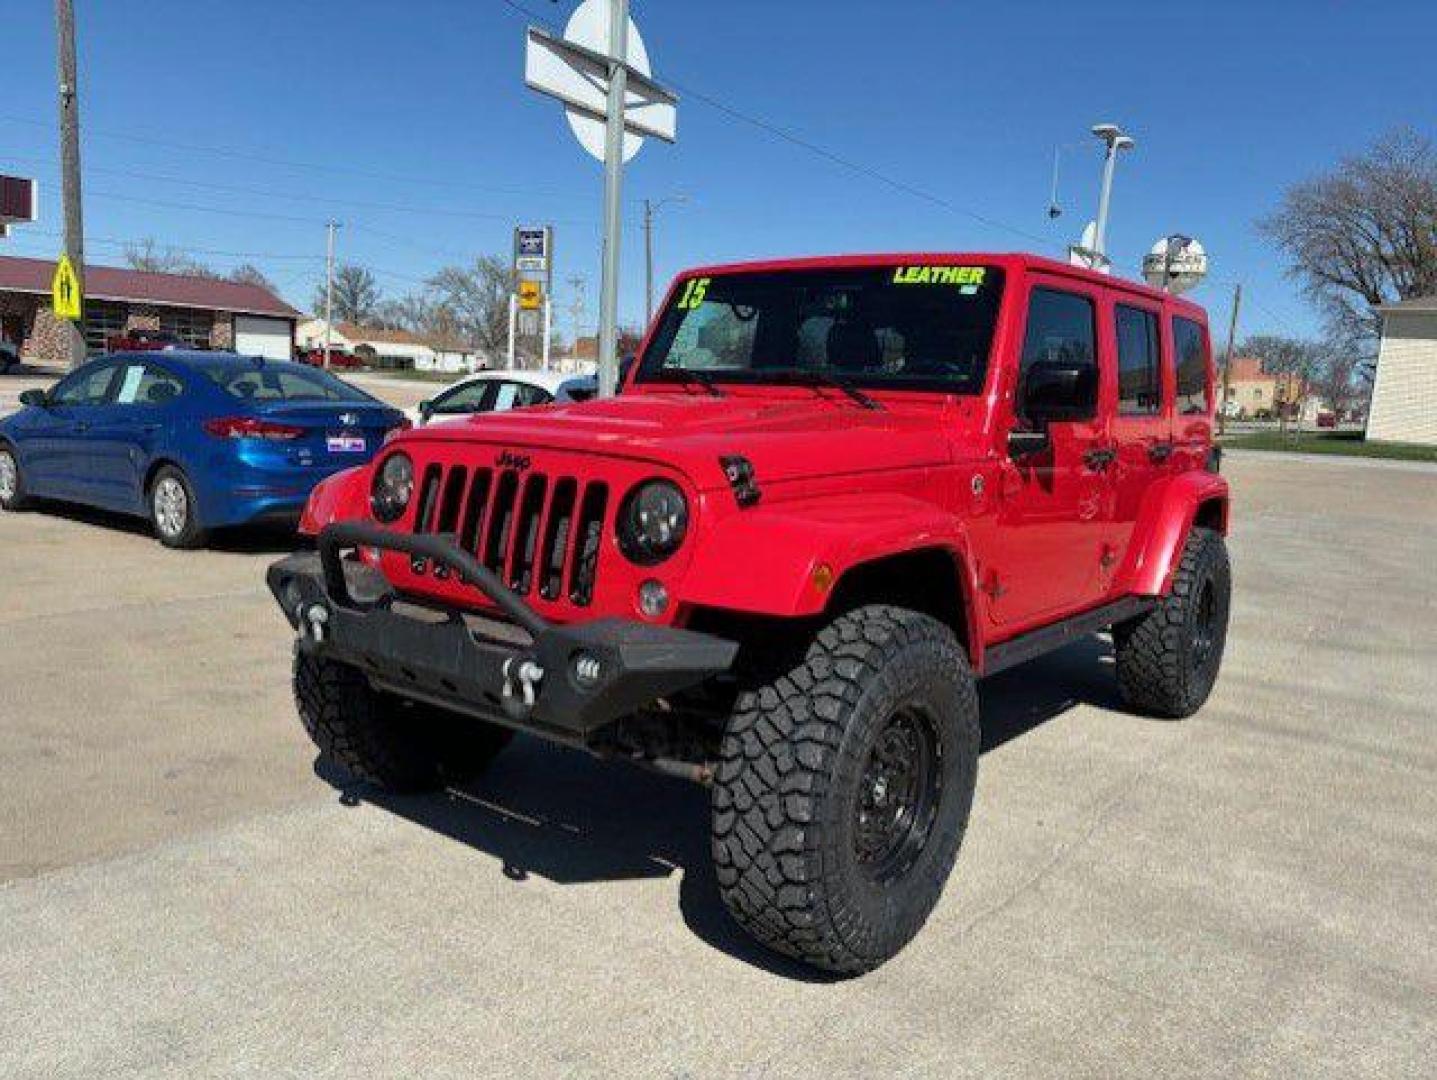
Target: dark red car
339,359
145,341
834,494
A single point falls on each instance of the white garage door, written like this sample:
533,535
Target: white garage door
258,336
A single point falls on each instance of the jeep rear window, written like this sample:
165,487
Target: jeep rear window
918,327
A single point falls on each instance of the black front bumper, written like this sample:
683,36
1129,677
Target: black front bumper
564,682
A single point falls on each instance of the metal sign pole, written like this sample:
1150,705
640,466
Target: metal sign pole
613,194
513,327
548,328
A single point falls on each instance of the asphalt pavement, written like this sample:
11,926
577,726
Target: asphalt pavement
186,892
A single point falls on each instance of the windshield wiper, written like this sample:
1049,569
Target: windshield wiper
702,378
815,377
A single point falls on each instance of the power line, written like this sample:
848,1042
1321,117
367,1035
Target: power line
830,156
269,193
291,163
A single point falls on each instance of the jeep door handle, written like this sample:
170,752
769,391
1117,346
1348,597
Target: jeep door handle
1160,452
1099,458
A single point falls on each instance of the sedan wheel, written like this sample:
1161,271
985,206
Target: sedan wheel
173,511
12,487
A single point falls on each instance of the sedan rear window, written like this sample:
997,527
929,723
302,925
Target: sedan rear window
282,382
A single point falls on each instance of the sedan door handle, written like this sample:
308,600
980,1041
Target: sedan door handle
81,427
1160,452
1099,458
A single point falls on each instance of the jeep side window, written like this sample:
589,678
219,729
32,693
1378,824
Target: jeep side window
1062,328
1190,344
1139,378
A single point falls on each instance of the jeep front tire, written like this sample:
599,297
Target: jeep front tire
844,787
1168,659
398,745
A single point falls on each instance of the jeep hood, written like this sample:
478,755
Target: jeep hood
784,438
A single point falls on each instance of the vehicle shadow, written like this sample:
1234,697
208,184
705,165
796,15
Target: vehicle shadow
568,818
258,539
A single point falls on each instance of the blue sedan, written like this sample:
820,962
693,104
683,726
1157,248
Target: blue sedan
191,440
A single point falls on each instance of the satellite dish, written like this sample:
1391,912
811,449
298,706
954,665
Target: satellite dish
589,26
1175,264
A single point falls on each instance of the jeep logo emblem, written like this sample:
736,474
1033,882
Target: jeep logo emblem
507,459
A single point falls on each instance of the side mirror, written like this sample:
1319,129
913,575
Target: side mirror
38,398
1058,390
426,409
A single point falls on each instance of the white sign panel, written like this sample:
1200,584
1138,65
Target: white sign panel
575,70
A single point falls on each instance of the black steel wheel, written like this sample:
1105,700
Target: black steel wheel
898,795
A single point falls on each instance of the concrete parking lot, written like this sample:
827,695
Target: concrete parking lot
1247,893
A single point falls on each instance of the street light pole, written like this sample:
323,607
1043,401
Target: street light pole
613,194
1113,136
70,162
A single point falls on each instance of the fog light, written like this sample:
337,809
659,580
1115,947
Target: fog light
653,598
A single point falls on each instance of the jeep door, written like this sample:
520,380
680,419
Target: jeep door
1142,420
1053,520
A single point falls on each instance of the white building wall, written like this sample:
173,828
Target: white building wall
1404,394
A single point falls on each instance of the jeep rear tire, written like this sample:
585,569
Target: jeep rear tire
395,744
844,787
1168,659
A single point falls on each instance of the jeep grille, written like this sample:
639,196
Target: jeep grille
538,533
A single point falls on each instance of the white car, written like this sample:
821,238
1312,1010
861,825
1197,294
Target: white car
499,391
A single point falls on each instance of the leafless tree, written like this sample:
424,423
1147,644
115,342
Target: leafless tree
356,295
249,274
475,300
1364,234
149,257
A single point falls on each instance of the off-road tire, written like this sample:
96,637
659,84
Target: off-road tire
1164,667
17,499
385,740
792,773
191,532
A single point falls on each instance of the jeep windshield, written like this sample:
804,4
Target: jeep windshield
910,327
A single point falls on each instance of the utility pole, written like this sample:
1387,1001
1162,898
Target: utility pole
329,293
1227,363
70,162
648,262
613,194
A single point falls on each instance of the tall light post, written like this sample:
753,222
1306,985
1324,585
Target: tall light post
1116,140
329,292
650,209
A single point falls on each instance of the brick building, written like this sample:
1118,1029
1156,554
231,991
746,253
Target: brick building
203,312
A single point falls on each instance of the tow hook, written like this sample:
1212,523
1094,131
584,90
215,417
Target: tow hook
316,618
527,674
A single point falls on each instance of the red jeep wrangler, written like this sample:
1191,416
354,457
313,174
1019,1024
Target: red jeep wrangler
834,494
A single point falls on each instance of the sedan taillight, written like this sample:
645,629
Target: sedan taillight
248,427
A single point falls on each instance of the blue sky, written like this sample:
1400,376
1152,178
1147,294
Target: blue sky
410,123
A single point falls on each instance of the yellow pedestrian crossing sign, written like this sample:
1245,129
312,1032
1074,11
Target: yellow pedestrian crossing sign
66,290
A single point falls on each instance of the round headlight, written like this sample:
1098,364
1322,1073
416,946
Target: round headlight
652,522
393,488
